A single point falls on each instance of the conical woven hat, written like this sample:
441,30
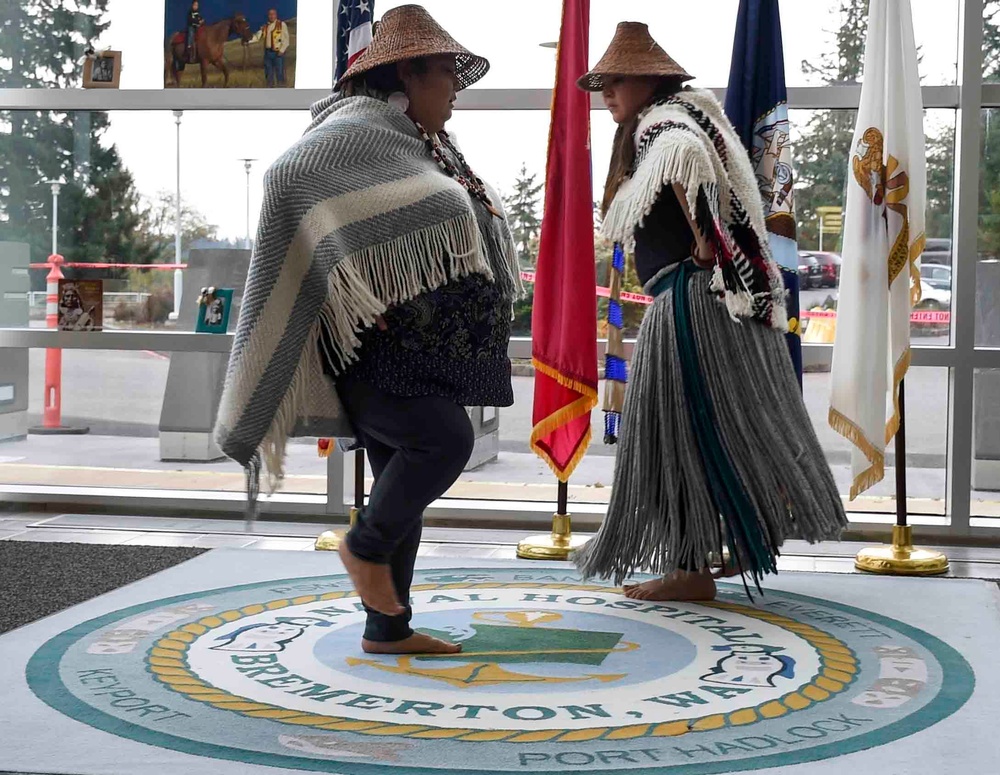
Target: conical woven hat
409,32
632,52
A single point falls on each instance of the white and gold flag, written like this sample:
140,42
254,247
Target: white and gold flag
883,240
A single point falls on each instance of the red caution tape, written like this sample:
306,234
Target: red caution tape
939,317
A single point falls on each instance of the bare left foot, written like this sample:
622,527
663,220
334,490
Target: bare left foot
679,585
644,590
417,643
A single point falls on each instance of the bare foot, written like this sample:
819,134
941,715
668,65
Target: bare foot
373,583
679,585
417,643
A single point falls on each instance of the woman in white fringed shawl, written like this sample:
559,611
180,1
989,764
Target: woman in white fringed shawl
717,456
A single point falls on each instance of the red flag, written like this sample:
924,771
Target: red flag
564,315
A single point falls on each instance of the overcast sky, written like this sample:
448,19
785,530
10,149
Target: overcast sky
699,35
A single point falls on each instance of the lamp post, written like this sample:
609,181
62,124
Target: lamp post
56,186
247,164
178,275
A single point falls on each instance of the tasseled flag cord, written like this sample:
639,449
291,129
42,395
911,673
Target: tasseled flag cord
615,370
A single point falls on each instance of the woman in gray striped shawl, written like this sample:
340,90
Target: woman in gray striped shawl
380,293
717,452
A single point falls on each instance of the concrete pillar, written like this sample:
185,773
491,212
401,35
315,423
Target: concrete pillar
14,287
195,380
486,424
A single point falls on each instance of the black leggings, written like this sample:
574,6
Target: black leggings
417,448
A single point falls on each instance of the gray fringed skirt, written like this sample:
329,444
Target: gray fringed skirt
716,449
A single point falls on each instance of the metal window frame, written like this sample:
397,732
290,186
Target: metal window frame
958,496
967,98
845,97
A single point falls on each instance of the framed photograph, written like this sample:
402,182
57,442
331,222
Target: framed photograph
103,70
213,310
251,44
81,305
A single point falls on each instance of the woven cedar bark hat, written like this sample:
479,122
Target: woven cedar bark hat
632,52
409,32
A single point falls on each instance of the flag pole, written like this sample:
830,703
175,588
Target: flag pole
558,544
329,540
901,558
890,110
565,355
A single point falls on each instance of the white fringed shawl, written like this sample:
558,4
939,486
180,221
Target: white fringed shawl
687,139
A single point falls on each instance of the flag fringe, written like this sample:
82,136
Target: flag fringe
568,413
567,382
581,450
849,430
902,366
916,249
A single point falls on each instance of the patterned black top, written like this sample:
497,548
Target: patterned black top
451,342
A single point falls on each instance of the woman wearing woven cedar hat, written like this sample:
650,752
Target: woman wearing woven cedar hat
717,450
384,267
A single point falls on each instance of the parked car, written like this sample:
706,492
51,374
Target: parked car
809,271
932,298
937,251
829,269
936,275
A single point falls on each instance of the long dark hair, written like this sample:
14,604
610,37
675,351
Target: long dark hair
623,149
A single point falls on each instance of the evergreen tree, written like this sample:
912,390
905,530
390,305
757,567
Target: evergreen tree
989,170
940,182
824,143
991,41
523,214
41,44
824,148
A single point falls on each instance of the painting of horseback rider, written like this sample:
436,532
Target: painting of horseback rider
221,37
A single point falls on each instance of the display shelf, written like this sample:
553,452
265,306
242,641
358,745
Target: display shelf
799,98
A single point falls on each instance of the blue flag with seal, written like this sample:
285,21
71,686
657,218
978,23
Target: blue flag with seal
756,103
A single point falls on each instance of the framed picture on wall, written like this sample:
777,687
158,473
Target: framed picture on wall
103,70
222,43
213,310
81,305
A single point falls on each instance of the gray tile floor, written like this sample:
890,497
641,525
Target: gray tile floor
831,557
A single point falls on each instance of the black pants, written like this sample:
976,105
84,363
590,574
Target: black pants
417,448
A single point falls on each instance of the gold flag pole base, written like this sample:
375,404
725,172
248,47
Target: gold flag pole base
329,540
901,558
555,546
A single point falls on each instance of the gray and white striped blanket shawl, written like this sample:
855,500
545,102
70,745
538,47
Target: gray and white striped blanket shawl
686,139
356,217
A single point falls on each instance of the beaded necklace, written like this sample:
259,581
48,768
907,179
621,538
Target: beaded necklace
464,176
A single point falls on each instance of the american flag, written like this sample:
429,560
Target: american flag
354,32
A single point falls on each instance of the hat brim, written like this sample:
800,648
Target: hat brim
469,68
594,81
